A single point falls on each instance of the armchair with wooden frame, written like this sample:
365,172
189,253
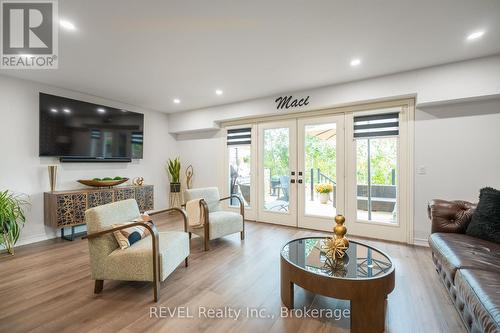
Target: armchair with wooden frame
152,258
217,222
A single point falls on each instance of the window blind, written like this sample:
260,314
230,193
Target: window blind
137,137
376,125
239,136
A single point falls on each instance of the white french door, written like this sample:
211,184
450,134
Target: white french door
320,169
378,174
303,171
277,173
297,159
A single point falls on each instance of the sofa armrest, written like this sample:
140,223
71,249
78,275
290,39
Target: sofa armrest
450,216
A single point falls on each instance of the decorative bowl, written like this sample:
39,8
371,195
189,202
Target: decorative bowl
102,183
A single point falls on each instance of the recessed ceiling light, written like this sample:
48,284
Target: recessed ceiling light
218,92
67,110
475,35
177,101
67,25
101,110
355,62
53,110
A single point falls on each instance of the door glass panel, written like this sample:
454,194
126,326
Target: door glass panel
276,169
320,174
239,174
376,174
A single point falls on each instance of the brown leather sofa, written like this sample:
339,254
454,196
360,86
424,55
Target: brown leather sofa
469,267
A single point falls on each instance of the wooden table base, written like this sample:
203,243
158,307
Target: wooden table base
368,296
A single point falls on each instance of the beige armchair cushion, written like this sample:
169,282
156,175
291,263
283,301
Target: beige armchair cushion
209,194
136,262
103,217
222,223
109,262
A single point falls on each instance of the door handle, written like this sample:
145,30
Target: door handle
300,181
292,181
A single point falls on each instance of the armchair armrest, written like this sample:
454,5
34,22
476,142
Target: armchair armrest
174,209
148,225
450,216
204,206
242,205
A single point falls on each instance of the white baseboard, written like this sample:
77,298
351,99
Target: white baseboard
35,238
420,242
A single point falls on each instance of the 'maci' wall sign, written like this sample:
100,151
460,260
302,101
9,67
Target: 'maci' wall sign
287,102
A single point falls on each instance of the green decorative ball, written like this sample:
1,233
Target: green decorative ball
107,178
96,179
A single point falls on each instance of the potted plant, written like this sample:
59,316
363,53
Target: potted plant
324,190
174,172
12,218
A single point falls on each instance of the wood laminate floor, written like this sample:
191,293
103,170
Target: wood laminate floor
46,287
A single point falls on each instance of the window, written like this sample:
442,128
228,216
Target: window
239,156
377,138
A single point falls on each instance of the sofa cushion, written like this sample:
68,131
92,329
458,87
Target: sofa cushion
479,293
485,223
454,251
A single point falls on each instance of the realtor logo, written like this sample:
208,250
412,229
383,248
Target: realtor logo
29,34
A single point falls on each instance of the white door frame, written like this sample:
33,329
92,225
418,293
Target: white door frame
398,231
408,144
250,211
316,222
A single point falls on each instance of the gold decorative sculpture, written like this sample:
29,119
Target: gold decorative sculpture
52,177
336,246
189,176
138,181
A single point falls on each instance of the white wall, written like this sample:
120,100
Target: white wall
21,170
461,80
205,153
458,145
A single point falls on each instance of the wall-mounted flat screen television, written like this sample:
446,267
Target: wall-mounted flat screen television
74,130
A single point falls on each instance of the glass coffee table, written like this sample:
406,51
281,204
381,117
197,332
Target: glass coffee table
365,276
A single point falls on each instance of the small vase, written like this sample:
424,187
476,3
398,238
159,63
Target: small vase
324,197
52,177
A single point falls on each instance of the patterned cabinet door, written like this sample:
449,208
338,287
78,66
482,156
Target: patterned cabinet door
145,198
70,209
124,193
99,198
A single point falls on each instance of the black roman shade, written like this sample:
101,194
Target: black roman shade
376,125
239,136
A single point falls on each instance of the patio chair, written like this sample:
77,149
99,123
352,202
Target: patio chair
245,192
284,187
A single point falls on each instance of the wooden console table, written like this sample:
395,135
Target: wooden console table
67,208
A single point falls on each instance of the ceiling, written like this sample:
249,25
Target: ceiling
146,53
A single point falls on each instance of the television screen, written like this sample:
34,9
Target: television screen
76,129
